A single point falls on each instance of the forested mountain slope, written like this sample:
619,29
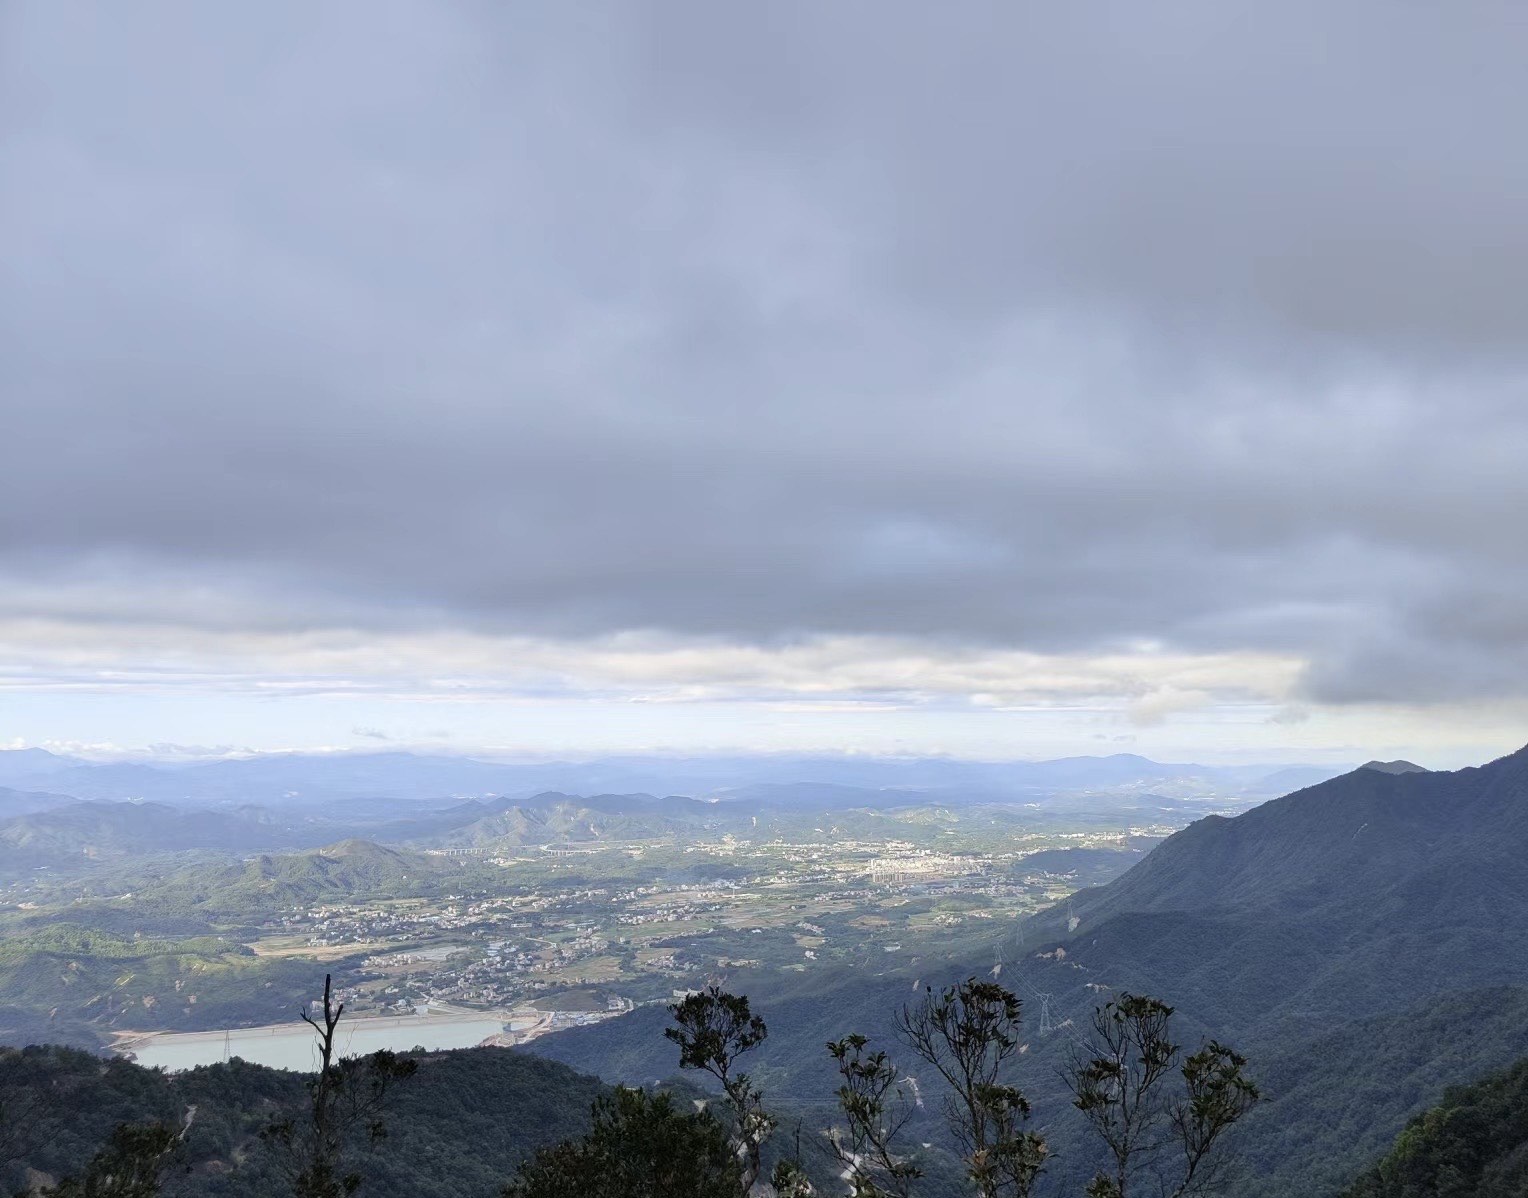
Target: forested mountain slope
1360,895
1336,1098
1340,914
69,833
1473,1144
24,802
105,831
1350,839
457,1129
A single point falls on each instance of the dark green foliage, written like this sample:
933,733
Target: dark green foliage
346,1097
1313,932
131,1165
713,1029
71,1103
1335,1094
641,1146
875,1111
458,1128
22,1112
1217,1095
969,1033
1118,1089
1156,1138
1336,1098
1474,1144
1363,894
72,982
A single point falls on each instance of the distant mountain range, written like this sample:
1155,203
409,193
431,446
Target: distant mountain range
101,831
74,831
57,810
24,802
309,780
56,831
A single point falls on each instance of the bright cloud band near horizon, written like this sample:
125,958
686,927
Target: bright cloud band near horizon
996,380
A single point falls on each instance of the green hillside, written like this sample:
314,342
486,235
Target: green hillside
167,950
339,871
1473,1144
459,1127
1317,929
67,982
79,833
1336,1100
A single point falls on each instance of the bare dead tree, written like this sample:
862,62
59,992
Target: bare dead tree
345,1097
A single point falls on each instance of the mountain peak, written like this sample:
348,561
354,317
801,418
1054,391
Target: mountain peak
1395,767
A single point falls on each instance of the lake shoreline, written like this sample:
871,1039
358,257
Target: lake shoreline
293,1045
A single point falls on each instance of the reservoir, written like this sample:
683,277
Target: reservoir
295,1045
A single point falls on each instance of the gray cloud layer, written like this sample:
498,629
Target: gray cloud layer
1046,326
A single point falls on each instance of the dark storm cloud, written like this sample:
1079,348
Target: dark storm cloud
1060,327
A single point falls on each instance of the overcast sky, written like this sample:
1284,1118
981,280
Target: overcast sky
1000,379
